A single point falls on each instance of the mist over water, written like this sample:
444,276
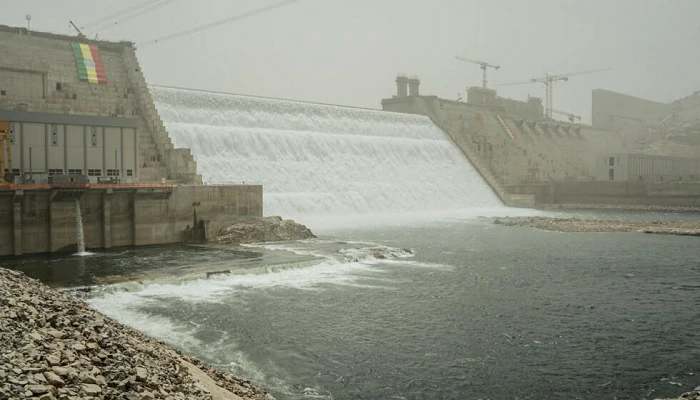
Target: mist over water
319,160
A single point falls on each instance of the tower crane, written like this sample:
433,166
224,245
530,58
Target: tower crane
484,67
549,80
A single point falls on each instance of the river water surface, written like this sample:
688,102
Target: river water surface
460,309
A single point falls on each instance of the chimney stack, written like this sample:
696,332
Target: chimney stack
414,86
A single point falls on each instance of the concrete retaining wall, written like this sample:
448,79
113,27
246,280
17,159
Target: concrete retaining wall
43,221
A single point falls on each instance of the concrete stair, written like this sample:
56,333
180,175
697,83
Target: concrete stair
159,158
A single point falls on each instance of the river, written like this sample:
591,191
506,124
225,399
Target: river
454,309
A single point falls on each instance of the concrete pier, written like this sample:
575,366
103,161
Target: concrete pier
17,223
42,220
107,219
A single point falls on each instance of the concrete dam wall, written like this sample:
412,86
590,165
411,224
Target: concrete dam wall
318,160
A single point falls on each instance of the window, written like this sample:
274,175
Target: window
59,86
93,136
129,172
611,162
54,135
113,172
55,172
75,172
94,172
3,92
611,174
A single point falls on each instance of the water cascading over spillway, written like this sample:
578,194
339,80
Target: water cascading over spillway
323,160
79,234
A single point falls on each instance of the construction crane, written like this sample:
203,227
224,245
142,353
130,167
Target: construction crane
484,67
572,117
80,33
5,150
549,80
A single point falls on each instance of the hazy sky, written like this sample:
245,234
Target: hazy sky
349,52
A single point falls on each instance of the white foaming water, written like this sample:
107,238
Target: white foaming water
337,263
342,266
126,302
320,162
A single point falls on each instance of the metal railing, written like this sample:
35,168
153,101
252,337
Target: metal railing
85,186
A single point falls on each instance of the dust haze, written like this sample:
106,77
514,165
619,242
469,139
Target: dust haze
349,52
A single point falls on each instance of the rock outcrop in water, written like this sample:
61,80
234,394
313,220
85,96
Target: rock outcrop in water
52,346
269,229
683,228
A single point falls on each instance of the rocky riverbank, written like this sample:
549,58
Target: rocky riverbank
683,228
694,395
624,207
53,346
268,229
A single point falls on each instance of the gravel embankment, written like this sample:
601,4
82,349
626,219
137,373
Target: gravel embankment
694,395
53,346
682,228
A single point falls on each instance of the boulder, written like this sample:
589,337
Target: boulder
91,389
268,229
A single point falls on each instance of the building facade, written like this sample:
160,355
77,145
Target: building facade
647,168
77,106
41,145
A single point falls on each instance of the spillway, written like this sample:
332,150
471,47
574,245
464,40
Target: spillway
318,160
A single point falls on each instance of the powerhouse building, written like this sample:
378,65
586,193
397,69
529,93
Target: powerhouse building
74,106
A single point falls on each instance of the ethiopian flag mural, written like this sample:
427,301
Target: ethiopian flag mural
89,63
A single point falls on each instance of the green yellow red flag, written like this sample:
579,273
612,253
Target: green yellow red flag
89,63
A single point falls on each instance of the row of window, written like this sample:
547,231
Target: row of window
91,172
54,136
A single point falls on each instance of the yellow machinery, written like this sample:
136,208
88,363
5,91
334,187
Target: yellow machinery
5,150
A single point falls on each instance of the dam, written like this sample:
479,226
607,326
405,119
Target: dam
146,164
157,214
319,160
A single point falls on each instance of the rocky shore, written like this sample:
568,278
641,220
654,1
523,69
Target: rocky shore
268,229
624,207
683,228
694,395
53,346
